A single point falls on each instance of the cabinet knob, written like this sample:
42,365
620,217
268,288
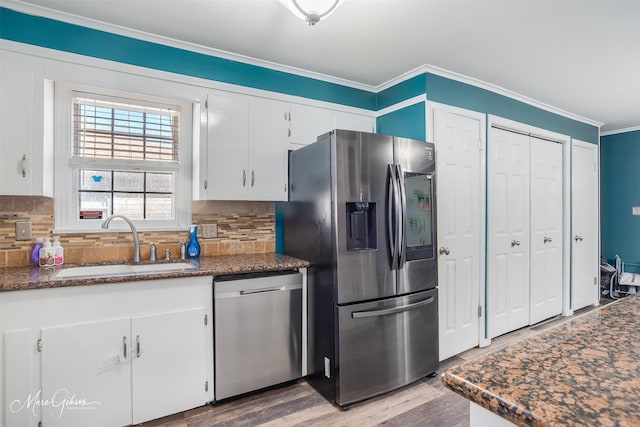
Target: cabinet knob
444,251
515,243
578,238
547,239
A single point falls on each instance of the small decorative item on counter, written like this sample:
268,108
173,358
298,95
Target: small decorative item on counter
47,254
35,253
193,248
58,251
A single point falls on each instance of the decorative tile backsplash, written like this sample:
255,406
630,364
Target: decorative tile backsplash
243,228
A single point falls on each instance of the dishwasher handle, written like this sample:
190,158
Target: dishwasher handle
393,310
259,291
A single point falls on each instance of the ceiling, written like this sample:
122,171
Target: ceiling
580,56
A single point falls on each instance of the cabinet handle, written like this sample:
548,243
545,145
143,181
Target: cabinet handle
124,347
253,178
547,239
515,243
138,346
24,165
244,177
205,184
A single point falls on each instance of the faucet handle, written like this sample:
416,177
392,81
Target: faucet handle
152,252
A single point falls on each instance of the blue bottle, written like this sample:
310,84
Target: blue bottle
193,247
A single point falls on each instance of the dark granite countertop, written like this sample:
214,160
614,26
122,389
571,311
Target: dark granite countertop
24,278
584,372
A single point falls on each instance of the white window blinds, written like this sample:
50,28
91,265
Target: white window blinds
122,129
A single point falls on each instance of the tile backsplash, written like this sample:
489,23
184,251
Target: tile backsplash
243,228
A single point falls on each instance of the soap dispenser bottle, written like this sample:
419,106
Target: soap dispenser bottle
58,251
35,253
46,254
193,248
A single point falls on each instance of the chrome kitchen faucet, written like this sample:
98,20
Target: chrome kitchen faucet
136,241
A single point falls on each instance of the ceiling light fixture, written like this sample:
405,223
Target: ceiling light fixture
311,11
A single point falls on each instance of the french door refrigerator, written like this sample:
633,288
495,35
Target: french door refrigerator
362,211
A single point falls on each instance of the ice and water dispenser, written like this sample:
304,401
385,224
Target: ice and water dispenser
361,226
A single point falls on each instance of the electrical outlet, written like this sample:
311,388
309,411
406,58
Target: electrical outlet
23,230
209,231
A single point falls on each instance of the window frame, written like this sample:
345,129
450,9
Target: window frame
66,166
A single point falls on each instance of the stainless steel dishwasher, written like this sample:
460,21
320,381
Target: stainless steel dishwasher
258,331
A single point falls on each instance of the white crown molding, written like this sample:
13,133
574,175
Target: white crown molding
45,12
616,131
487,86
20,6
403,104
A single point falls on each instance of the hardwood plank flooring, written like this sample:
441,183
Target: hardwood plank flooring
426,402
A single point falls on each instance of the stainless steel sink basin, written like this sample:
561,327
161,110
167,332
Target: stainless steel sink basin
119,269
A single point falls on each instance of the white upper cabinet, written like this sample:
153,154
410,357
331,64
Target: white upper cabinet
244,148
27,150
242,154
307,123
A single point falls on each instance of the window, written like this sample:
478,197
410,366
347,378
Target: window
124,155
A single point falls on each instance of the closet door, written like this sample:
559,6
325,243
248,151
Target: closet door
546,230
458,135
584,213
508,232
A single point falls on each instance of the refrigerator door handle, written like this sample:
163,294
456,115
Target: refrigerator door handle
402,215
392,204
394,310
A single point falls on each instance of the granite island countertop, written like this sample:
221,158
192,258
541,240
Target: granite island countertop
25,278
584,372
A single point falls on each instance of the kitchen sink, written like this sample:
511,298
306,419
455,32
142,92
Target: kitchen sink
119,269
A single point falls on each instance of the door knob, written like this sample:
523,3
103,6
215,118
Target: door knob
444,251
578,238
515,243
547,239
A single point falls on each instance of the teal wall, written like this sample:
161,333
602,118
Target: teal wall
408,122
58,35
457,94
619,191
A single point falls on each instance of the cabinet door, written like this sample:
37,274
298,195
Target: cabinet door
307,123
169,364
350,121
227,147
267,150
17,106
86,374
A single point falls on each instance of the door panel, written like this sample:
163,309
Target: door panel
361,163
458,184
508,231
584,187
87,362
546,230
385,344
168,359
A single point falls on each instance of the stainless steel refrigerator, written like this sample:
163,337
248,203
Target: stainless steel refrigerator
362,211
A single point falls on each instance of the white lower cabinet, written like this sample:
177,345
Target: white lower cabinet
106,355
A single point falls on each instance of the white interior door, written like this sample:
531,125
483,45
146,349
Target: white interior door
508,232
546,230
584,218
458,136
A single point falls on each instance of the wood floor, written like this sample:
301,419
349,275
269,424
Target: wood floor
424,403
